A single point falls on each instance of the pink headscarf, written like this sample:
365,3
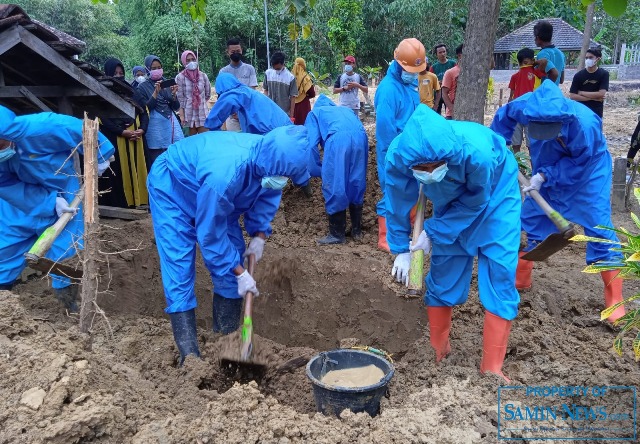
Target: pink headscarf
194,77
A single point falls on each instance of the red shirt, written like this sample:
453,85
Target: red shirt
525,80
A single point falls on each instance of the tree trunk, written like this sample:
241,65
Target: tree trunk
477,55
91,225
586,38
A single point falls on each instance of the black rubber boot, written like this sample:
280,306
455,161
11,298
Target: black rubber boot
337,227
7,287
306,189
355,211
184,333
68,296
226,314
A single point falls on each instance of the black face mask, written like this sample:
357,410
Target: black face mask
235,57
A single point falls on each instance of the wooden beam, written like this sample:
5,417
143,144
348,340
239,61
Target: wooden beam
46,91
122,213
9,39
33,99
73,71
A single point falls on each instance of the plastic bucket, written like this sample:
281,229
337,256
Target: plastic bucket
332,400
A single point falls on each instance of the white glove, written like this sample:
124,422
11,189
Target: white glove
256,247
401,267
246,283
62,206
423,243
535,183
102,167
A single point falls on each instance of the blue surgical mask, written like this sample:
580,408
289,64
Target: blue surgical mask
274,182
348,68
7,154
409,77
428,178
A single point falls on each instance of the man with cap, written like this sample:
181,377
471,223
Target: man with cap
572,171
348,85
470,177
395,100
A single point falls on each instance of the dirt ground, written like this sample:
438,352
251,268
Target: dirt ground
123,385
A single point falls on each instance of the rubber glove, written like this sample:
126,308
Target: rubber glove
256,247
423,243
62,206
102,167
535,183
246,283
401,267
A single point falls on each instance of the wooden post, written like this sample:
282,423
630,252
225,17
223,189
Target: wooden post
622,53
618,195
91,225
500,101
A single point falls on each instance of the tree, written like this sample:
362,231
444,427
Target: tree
345,26
586,38
477,55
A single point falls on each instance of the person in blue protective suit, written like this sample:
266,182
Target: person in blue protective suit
257,113
395,100
572,171
343,168
471,178
37,182
198,190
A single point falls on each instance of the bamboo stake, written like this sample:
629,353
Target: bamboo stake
91,225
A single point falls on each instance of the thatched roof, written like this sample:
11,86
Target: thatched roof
565,37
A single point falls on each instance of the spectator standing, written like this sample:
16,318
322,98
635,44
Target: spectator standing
139,73
306,91
439,67
450,85
194,90
280,85
244,72
590,85
348,85
429,88
550,59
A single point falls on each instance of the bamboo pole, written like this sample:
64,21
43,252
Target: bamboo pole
91,225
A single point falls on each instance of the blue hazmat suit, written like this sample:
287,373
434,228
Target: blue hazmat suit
578,174
199,189
476,209
395,101
30,181
346,149
257,113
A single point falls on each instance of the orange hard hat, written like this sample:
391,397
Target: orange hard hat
411,55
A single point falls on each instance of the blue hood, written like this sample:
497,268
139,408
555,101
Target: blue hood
6,119
547,104
323,100
428,137
226,82
283,152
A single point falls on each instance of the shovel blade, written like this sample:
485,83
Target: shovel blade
48,266
243,371
552,244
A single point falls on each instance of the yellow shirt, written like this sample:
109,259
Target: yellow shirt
427,84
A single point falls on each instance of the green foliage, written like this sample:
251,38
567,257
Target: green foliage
345,26
524,162
298,11
629,268
371,72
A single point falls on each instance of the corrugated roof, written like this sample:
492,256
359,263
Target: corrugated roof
565,37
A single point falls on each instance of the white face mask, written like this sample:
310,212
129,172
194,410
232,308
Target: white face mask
589,63
140,79
192,66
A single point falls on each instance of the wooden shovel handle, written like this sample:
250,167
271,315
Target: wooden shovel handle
417,257
560,222
248,298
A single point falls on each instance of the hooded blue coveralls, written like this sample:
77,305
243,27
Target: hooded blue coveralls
257,113
346,149
395,101
199,189
578,175
29,186
476,209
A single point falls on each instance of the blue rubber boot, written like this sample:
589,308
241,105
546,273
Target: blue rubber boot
68,296
184,333
226,314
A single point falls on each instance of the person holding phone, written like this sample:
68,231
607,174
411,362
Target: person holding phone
162,104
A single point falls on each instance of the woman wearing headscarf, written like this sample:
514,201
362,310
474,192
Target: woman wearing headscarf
125,183
306,91
194,90
161,103
139,75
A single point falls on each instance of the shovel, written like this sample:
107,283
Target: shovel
245,369
417,257
35,256
554,242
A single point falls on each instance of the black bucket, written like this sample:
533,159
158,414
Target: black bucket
332,400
